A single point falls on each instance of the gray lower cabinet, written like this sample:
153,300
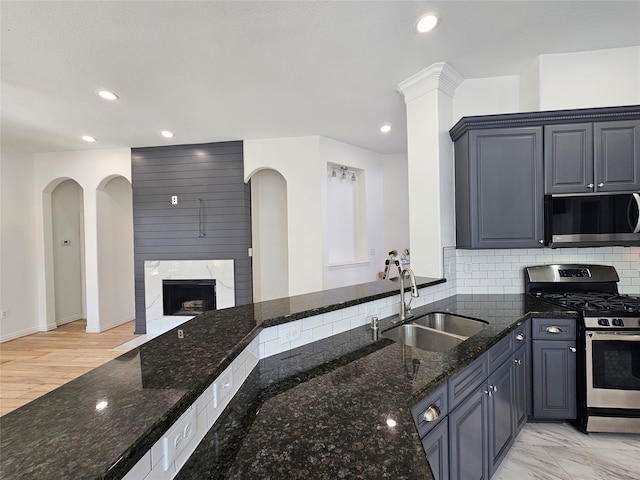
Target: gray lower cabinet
499,188
554,379
436,447
522,373
468,425
468,438
502,413
554,368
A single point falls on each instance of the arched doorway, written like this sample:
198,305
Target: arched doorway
114,233
67,247
270,232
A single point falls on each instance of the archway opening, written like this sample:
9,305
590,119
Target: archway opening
67,238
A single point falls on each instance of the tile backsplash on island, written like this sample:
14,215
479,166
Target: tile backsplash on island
501,271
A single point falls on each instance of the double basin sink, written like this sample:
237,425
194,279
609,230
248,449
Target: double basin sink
435,332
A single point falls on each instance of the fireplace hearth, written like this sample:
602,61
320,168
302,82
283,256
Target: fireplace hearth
188,297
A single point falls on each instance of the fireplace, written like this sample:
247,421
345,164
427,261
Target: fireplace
188,297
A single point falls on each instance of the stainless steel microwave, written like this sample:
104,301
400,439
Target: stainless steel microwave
592,220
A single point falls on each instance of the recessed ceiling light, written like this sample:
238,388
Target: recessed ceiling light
385,128
88,138
427,23
107,95
167,134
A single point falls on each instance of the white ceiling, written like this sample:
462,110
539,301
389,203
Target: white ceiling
229,70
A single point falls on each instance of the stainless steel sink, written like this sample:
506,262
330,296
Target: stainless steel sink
423,338
435,332
450,323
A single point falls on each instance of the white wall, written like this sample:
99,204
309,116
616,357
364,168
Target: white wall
270,242
396,203
91,170
115,253
297,159
371,181
67,221
599,78
478,96
302,161
18,268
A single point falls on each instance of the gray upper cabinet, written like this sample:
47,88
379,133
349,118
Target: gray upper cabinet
592,157
499,192
503,173
568,158
617,156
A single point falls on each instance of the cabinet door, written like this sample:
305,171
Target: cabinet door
506,191
502,430
468,429
617,156
568,158
436,446
554,379
521,366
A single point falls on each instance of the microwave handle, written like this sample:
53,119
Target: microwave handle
636,197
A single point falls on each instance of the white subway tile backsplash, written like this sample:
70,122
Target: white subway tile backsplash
488,264
312,322
140,469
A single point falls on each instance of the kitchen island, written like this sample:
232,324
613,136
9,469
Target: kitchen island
322,410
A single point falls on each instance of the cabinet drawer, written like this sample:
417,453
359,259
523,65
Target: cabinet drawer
468,380
436,403
554,329
500,352
521,335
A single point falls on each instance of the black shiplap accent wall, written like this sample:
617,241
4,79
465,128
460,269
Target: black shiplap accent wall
212,172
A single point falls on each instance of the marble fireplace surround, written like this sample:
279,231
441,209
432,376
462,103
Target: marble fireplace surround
155,271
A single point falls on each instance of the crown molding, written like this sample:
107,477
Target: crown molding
439,76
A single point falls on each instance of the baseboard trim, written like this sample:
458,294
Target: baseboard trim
105,327
21,333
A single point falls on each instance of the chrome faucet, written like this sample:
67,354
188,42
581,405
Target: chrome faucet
405,309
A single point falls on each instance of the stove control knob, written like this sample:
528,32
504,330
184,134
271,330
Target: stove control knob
617,322
603,322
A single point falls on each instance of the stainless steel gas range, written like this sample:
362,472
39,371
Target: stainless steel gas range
609,337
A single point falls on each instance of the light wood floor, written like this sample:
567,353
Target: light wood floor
33,365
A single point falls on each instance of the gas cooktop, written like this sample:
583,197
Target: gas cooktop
595,303
591,290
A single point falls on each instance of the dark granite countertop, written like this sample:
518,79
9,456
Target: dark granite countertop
320,411
63,435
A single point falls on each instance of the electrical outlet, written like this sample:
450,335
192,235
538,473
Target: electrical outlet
174,199
5,313
224,385
180,333
178,436
468,268
289,332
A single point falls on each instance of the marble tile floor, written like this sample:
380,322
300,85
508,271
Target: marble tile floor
558,451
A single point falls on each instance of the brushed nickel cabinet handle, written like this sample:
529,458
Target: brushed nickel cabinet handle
573,349
554,329
590,186
600,185
520,337
430,414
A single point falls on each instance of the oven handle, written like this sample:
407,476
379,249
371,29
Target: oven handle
636,197
628,336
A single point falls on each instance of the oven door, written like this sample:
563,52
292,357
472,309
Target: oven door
613,369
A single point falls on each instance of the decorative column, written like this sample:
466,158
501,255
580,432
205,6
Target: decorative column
429,99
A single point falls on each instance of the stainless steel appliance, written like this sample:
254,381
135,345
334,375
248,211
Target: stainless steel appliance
609,337
592,220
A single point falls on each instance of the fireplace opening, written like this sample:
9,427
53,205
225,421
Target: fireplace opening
188,297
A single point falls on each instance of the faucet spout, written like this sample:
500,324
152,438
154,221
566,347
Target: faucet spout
405,308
